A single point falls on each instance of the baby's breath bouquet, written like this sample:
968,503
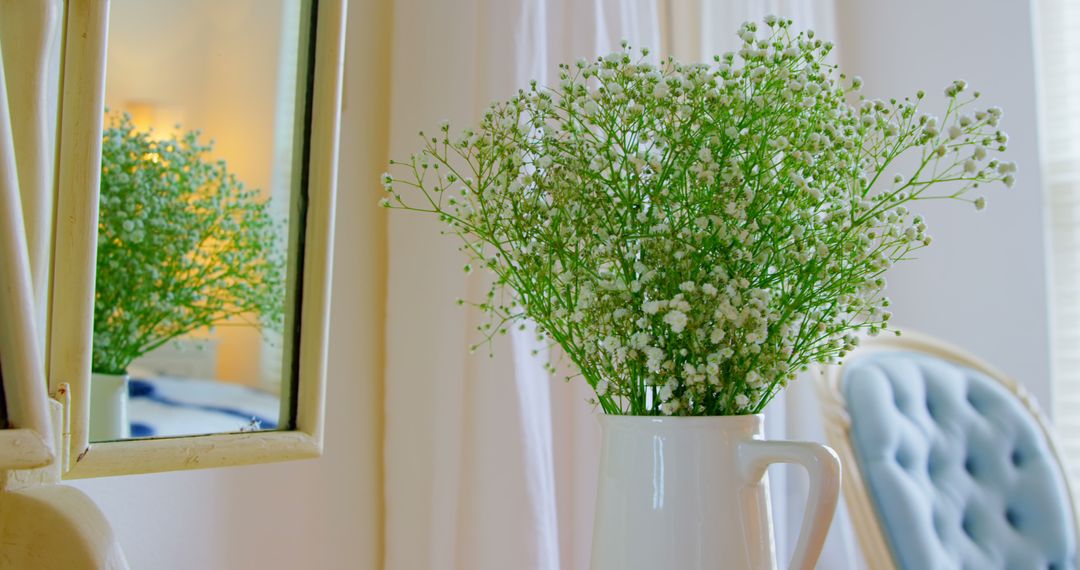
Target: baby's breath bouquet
694,235
182,245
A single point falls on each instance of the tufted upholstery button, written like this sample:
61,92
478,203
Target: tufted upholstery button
967,525
903,458
930,409
977,405
938,522
933,466
900,403
1017,458
1012,518
969,466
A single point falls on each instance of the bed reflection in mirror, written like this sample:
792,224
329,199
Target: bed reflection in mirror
200,217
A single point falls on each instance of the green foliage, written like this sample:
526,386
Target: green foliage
694,235
182,245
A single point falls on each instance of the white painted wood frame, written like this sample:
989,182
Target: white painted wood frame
74,260
860,505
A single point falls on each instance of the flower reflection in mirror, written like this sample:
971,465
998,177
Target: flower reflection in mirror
182,245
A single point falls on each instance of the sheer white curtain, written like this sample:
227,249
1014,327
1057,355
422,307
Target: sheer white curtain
491,464
481,453
1059,67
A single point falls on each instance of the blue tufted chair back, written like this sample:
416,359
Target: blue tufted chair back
960,472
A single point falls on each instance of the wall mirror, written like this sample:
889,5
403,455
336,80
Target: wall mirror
194,230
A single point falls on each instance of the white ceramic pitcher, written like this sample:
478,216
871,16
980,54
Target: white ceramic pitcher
108,407
692,494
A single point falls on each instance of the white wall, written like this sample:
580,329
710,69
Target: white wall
211,65
323,513
982,284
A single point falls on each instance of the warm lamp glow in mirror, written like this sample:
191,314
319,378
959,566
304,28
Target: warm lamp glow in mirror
201,211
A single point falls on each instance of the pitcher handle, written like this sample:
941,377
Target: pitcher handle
823,466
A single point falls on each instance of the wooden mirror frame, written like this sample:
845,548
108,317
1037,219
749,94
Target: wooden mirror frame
74,261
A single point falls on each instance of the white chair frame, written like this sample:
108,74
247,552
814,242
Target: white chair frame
868,528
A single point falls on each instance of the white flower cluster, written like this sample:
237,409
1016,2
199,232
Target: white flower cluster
693,235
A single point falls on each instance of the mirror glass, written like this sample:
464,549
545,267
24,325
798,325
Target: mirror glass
201,214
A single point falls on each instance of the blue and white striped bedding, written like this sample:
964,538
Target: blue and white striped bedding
166,407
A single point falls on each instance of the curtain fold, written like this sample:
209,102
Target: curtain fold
483,455
30,34
1058,42
491,463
